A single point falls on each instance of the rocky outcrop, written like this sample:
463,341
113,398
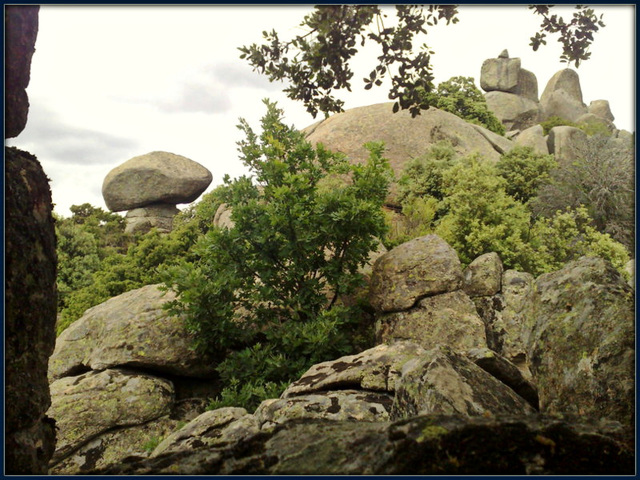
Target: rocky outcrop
566,143
423,445
471,351
581,347
483,276
449,319
534,138
151,185
117,356
214,428
21,31
130,330
30,314
516,112
111,447
501,74
602,109
442,382
30,267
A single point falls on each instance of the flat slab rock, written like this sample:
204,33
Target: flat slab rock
424,445
376,369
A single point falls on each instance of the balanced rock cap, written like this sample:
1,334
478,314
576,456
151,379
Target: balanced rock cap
157,177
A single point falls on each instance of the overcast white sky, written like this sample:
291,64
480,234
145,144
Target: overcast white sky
112,82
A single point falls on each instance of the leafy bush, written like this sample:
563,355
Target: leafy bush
264,295
481,217
460,96
568,235
525,171
116,273
480,209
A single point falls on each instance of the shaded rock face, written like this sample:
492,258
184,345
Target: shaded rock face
581,347
30,314
507,316
131,330
21,31
423,445
443,382
516,112
213,428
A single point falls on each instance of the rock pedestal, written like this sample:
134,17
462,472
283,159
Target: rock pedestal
160,216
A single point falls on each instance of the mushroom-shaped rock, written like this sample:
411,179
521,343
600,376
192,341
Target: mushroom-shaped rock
157,177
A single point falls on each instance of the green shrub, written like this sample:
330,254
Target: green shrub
460,96
263,296
525,171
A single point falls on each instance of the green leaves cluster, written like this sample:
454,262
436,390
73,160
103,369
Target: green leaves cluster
480,207
317,64
460,96
264,295
575,36
97,260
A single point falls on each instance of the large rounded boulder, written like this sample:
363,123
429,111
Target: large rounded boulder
404,137
157,177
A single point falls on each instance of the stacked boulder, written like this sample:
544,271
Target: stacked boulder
121,376
512,95
512,92
149,187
